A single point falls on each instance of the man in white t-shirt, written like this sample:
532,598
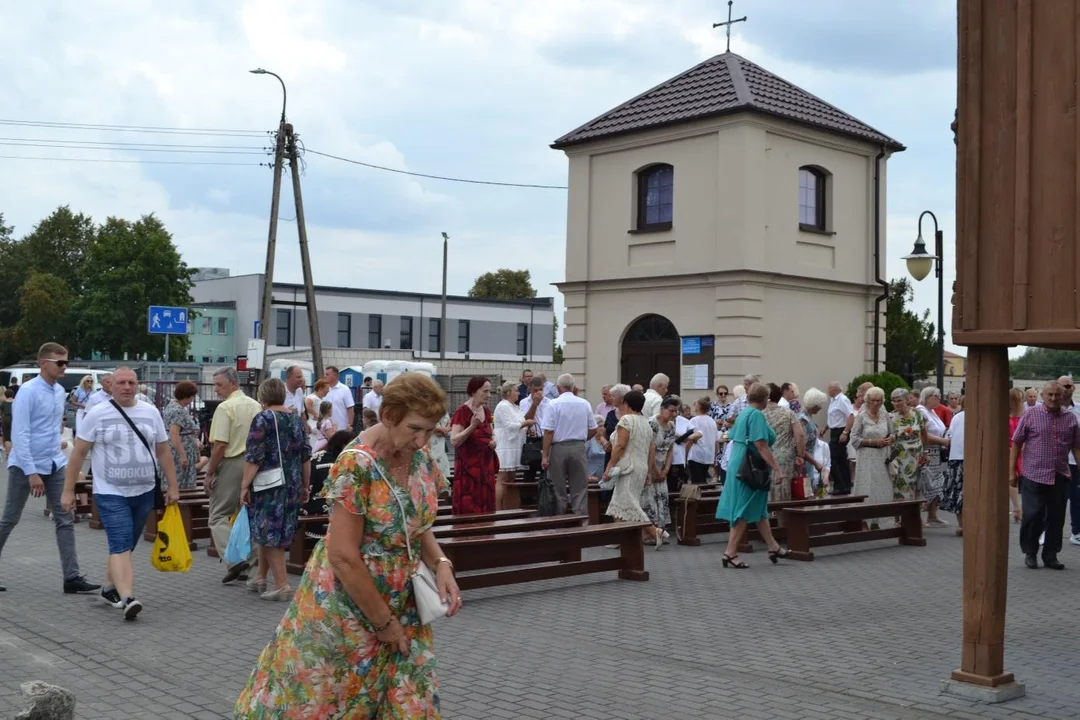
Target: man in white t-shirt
294,389
125,478
373,400
341,398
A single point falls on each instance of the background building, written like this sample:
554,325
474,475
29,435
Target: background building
376,324
724,222
212,332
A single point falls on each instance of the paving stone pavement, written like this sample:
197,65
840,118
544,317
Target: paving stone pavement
865,631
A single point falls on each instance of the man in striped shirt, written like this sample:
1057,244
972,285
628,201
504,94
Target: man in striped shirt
1043,440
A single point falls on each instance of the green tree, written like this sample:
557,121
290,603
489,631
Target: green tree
887,381
908,337
556,348
1042,363
130,266
504,284
45,303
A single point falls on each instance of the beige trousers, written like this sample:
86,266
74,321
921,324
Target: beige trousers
224,501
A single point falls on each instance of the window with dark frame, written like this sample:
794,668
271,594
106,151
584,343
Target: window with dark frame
434,334
463,336
523,339
374,331
811,199
344,330
283,326
222,326
406,333
656,197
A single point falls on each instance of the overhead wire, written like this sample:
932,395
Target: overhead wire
77,143
133,161
252,151
134,128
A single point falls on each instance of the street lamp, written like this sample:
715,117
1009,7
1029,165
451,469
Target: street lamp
442,323
919,263
284,93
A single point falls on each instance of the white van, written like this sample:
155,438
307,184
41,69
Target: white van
72,377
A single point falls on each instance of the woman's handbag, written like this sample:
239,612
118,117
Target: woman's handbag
547,505
429,604
532,451
274,477
754,471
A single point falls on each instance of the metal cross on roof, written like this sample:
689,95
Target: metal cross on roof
727,25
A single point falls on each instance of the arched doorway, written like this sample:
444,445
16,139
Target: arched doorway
650,345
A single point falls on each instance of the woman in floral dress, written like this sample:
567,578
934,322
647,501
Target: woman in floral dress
183,431
632,452
351,644
909,446
654,496
275,440
790,443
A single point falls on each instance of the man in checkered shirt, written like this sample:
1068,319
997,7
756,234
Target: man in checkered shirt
1043,440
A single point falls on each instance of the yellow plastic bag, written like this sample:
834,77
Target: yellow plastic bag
171,550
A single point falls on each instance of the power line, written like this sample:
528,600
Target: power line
252,151
78,143
137,162
437,177
135,128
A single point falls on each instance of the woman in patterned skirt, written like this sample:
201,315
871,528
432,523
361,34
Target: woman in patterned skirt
952,497
930,398
654,496
351,644
183,431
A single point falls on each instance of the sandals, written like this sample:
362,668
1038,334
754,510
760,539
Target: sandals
734,561
775,555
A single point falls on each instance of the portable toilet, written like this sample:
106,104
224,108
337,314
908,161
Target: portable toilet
352,377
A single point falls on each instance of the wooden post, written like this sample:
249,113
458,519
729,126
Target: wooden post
986,522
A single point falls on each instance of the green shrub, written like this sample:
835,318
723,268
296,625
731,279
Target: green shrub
887,381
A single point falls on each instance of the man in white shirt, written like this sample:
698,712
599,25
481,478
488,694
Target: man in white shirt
568,423
749,381
787,394
658,388
119,439
534,436
341,398
1068,387
294,390
102,394
840,410
373,399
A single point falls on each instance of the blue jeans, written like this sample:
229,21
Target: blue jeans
124,518
17,495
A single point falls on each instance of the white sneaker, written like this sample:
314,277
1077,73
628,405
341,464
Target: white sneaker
1075,539
1042,539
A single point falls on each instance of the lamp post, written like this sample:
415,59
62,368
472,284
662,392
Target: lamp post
284,93
918,265
442,323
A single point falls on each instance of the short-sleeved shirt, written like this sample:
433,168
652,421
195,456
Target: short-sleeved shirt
295,400
341,397
120,463
1047,439
232,421
569,418
704,449
373,401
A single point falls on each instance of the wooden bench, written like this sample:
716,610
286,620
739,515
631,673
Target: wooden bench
552,547
502,526
302,546
801,521
694,518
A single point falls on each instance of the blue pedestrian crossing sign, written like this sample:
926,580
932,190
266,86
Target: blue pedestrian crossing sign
163,320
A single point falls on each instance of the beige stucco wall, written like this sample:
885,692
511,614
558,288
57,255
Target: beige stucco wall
735,263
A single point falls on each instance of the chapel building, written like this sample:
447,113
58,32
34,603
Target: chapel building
724,222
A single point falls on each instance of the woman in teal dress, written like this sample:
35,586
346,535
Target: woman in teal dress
739,504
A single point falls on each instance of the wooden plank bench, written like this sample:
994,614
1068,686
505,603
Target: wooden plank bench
502,526
302,546
553,547
800,522
694,518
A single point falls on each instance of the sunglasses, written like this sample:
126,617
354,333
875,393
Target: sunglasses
721,394
59,363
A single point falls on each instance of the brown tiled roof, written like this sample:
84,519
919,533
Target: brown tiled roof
722,85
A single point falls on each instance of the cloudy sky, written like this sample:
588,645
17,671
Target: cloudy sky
470,88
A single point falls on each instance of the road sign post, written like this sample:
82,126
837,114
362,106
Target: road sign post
165,320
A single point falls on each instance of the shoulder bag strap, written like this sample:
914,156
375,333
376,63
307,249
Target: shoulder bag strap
393,493
277,437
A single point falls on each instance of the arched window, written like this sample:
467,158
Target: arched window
812,198
656,197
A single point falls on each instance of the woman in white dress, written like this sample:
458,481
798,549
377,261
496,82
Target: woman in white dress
510,427
872,437
632,450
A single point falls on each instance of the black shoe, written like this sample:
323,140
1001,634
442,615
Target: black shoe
111,596
79,585
1053,563
3,589
132,608
235,572
1031,561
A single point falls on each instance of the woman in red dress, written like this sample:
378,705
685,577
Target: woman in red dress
472,433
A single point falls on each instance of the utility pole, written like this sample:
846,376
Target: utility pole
442,323
286,145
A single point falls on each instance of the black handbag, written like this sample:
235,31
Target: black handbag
532,451
548,504
754,471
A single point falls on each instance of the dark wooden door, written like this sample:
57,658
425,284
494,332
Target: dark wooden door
651,345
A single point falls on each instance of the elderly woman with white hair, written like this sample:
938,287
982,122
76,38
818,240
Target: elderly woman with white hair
813,402
872,436
908,453
930,398
510,426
